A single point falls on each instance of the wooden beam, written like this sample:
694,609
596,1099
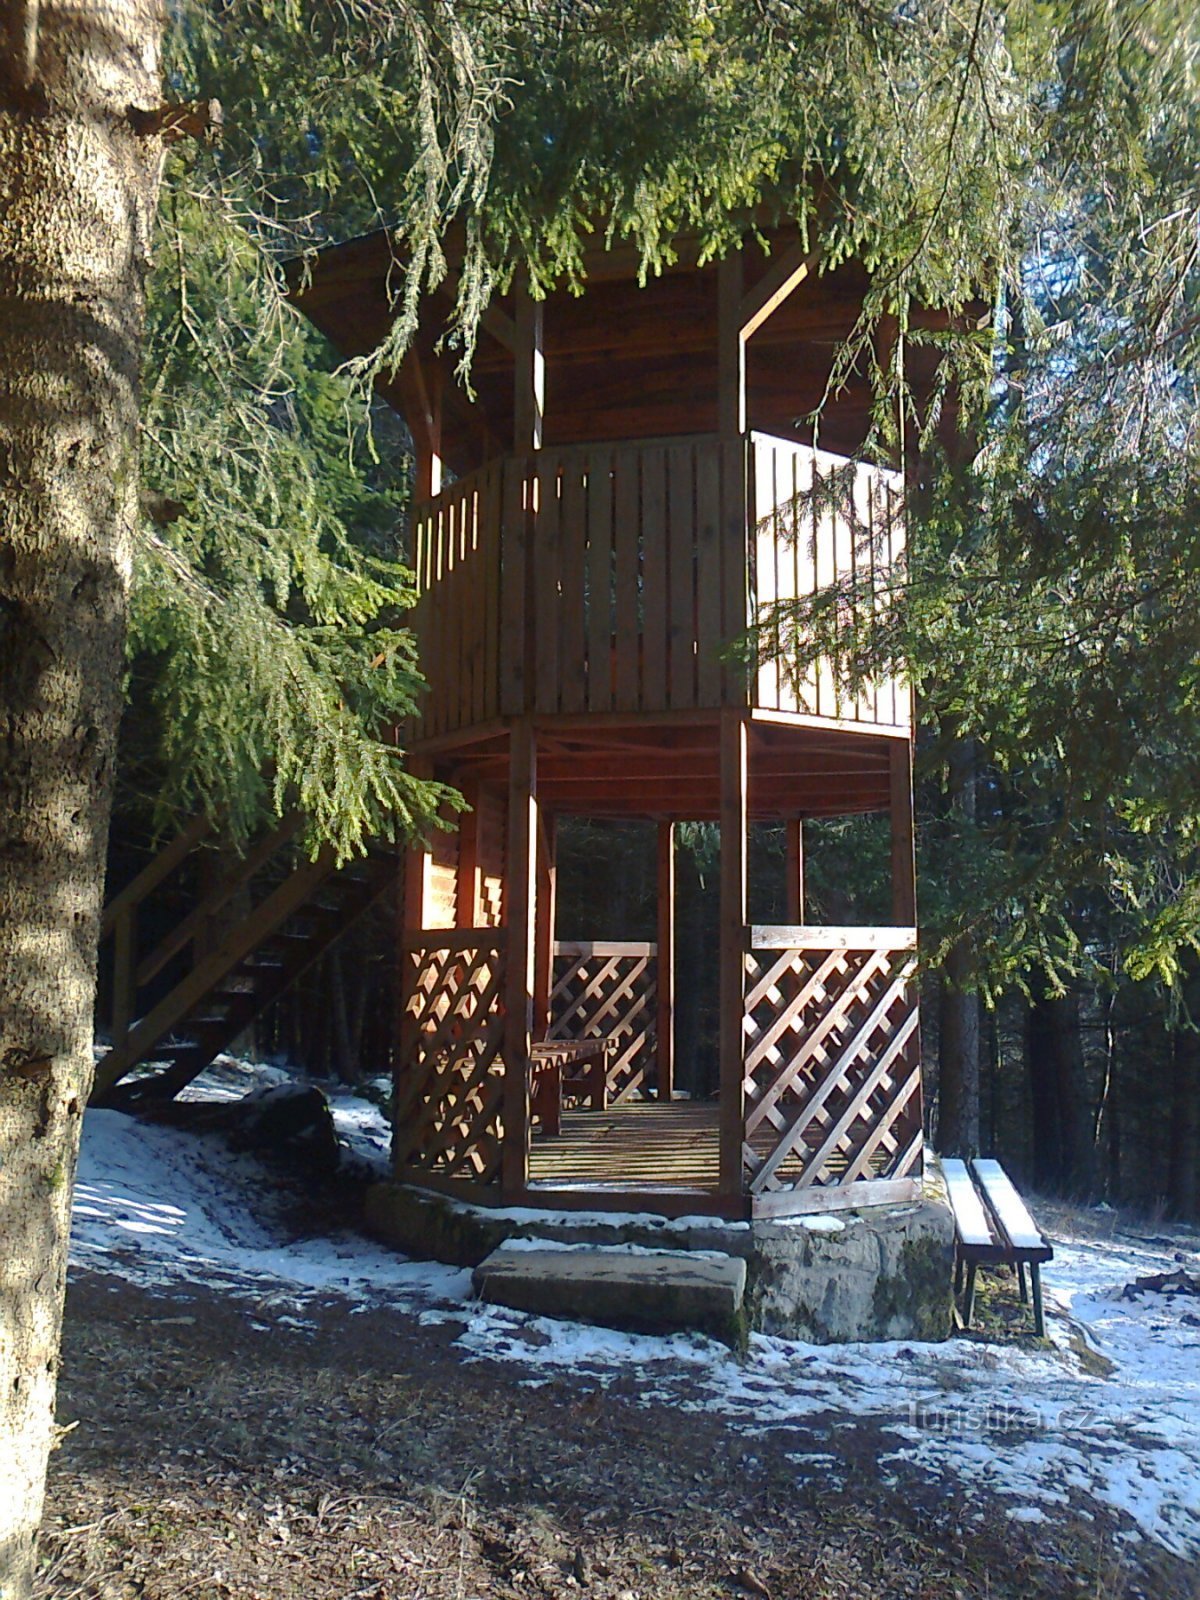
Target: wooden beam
732,948
904,865
785,275
494,321
794,831
731,348
520,892
529,381
421,392
665,1025
547,887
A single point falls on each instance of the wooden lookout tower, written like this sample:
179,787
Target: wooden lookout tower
631,484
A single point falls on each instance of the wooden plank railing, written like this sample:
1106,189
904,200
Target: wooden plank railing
614,577
608,990
456,556
818,520
832,1077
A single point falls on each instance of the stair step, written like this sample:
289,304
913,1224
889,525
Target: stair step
661,1291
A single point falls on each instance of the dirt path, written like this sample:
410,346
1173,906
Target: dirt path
365,1459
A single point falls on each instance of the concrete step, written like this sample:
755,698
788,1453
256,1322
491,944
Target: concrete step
661,1291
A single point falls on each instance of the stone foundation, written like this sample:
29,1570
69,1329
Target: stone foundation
883,1272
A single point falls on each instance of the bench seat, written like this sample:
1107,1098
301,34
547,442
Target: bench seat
992,1226
560,1067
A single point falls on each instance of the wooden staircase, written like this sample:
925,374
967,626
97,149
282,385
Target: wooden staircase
190,994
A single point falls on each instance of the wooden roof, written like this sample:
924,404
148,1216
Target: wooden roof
623,361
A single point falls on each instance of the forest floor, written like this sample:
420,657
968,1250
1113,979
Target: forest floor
262,1405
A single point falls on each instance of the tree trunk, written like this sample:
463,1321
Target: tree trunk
77,195
958,1058
958,1015
1183,1153
1064,1154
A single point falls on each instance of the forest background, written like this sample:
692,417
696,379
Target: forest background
1044,156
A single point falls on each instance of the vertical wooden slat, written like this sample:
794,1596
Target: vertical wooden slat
904,870
573,545
433,633
825,570
627,530
655,615
665,1026
488,693
860,531
476,537
786,568
452,614
732,947
681,566
709,639
547,609
737,503
763,537
600,632
519,901
513,555
900,694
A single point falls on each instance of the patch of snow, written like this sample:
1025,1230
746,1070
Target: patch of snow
622,1248
1038,1426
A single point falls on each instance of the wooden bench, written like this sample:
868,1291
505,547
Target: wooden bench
992,1226
559,1067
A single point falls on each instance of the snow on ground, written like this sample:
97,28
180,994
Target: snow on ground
1038,1427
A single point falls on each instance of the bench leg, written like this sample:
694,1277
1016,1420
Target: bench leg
1039,1316
600,1083
958,1276
1021,1285
545,1100
969,1297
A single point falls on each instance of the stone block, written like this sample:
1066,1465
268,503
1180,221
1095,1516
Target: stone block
659,1292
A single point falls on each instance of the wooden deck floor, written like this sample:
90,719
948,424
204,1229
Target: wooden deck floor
642,1144
648,1144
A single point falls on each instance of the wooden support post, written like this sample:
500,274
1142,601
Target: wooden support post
731,348
732,948
529,384
547,888
665,1021
794,828
904,867
413,896
466,890
520,892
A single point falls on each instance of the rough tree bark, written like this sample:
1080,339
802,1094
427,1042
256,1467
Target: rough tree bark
78,187
1064,1153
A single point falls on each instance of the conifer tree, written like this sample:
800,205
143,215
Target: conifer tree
913,138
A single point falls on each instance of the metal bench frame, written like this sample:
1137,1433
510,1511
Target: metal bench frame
992,1227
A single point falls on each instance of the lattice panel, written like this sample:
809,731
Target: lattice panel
832,1067
450,1077
609,991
